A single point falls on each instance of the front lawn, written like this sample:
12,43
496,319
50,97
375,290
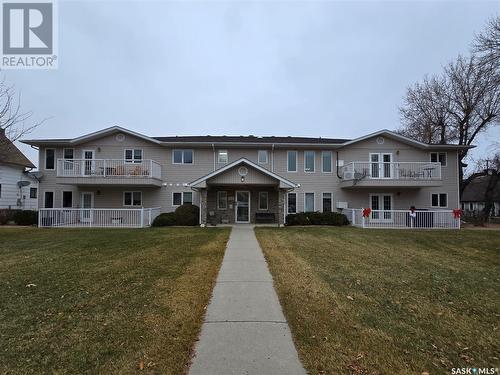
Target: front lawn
104,300
388,302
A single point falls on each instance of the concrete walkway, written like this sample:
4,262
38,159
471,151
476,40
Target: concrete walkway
245,331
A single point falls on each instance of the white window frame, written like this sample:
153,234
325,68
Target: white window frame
437,154
53,198
133,151
287,206
380,164
314,201
183,151
267,201
331,197
221,200
35,189
439,200
314,161
389,217
296,161
45,159
265,152
132,199
331,162
62,198
182,197
219,154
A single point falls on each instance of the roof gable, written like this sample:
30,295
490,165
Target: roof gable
245,161
10,154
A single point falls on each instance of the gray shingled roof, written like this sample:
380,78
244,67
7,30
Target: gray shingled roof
474,192
250,139
10,154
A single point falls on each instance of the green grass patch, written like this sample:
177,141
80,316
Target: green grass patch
104,300
388,302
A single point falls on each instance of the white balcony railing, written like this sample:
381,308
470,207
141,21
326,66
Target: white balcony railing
108,168
422,171
97,217
401,219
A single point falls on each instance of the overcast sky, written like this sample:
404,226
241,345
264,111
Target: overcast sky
330,69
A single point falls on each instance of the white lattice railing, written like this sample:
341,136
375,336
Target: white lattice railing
97,217
145,168
358,170
401,219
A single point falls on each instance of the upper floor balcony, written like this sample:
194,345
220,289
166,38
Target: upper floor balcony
387,174
108,172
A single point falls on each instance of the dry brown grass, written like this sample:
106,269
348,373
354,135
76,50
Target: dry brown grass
388,302
104,301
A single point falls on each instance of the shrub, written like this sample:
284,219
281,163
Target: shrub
317,218
164,220
187,214
26,217
6,216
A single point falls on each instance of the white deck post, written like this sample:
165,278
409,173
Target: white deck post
353,215
363,221
142,217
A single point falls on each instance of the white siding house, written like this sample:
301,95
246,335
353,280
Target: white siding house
18,186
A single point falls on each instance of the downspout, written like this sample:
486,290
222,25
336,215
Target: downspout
337,163
213,151
272,158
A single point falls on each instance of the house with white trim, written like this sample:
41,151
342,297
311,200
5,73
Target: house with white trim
101,177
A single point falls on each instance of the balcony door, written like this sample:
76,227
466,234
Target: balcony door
381,205
88,163
381,165
242,207
87,202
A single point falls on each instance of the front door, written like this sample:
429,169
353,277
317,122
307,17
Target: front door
242,206
381,205
87,203
89,163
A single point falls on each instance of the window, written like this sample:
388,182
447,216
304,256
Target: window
67,199
133,156
326,161
309,202
187,197
50,155
262,157
132,198
263,200
48,201
222,156
182,156
176,199
292,203
68,153
222,200
439,157
292,161
439,200
33,193
327,202
309,157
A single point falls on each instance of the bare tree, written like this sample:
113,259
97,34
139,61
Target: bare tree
426,111
487,44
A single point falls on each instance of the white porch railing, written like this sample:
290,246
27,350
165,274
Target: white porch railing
358,170
145,168
97,217
401,219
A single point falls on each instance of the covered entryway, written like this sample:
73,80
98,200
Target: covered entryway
242,192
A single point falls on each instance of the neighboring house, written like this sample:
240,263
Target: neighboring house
473,197
18,186
242,179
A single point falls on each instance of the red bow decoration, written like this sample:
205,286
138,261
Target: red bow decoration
367,212
457,212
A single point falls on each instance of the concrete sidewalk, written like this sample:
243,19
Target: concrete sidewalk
245,331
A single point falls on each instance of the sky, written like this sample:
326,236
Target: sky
299,68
